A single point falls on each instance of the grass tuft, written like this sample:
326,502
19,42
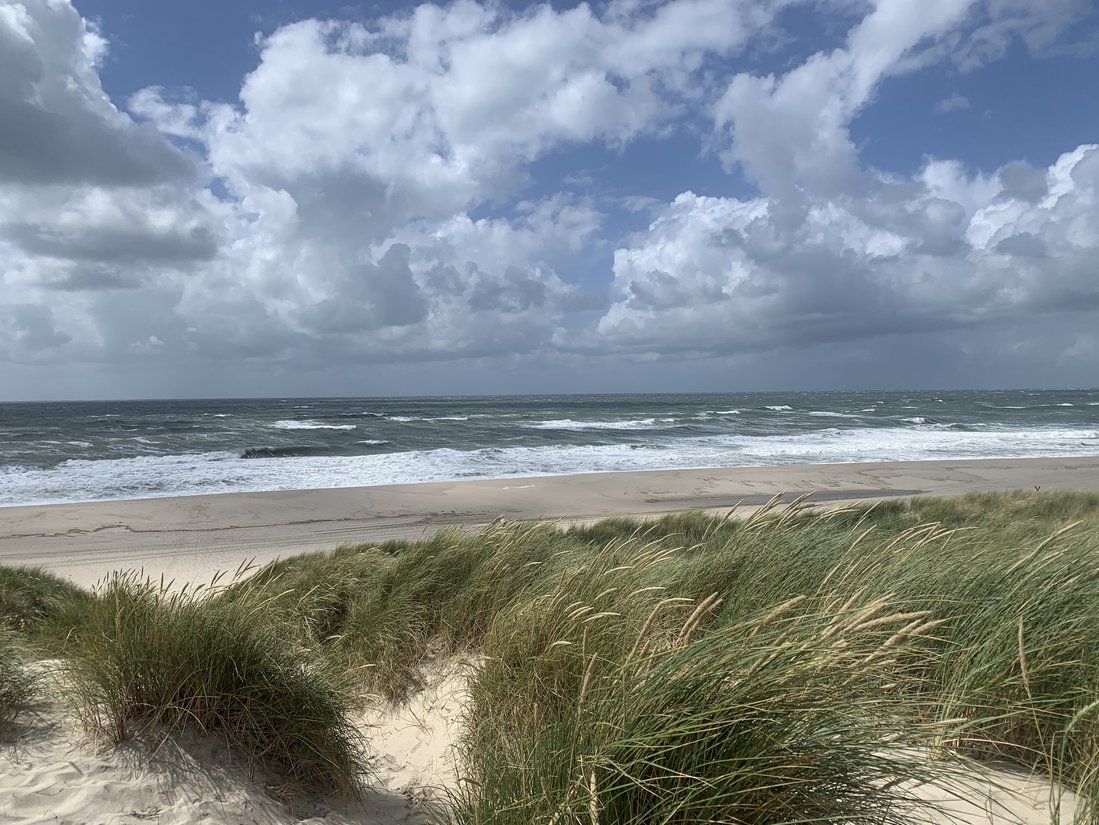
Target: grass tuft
31,598
19,686
150,660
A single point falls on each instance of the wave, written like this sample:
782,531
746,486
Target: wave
778,407
917,419
626,424
722,412
404,419
310,425
307,451
291,467
826,414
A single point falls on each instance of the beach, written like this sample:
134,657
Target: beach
58,771
190,538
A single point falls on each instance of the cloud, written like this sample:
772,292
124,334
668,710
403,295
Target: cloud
722,275
351,233
952,104
396,217
59,126
832,251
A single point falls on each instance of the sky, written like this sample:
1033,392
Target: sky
292,198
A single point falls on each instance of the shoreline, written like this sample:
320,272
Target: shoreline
190,538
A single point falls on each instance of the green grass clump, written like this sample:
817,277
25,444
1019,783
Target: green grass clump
18,685
31,598
149,660
390,608
636,713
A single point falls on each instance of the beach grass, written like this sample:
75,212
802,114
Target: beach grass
1002,589
788,666
150,660
32,599
19,686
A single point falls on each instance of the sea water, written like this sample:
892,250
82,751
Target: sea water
85,451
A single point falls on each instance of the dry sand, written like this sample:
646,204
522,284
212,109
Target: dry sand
51,774
189,538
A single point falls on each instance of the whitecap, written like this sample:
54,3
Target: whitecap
310,425
572,424
152,476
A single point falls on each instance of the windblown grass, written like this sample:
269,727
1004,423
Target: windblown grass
787,667
31,598
18,684
149,660
635,713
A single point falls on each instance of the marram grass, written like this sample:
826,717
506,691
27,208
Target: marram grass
19,686
150,660
787,667
31,598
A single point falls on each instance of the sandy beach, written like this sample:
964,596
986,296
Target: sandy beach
57,773
190,538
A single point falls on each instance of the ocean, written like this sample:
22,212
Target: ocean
87,451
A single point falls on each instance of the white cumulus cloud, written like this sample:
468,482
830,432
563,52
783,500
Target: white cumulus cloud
377,192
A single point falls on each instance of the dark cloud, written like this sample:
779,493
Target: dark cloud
58,127
1023,245
26,330
1021,181
369,297
133,245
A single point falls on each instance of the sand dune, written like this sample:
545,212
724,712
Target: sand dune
53,773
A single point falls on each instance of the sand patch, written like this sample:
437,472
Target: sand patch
51,772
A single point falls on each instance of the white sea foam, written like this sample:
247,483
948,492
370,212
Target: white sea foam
826,414
722,412
404,419
372,441
778,407
918,419
625,424
310,425
152,476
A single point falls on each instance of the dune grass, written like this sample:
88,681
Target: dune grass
148,660
787,667
32,599
19,686
1002,589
